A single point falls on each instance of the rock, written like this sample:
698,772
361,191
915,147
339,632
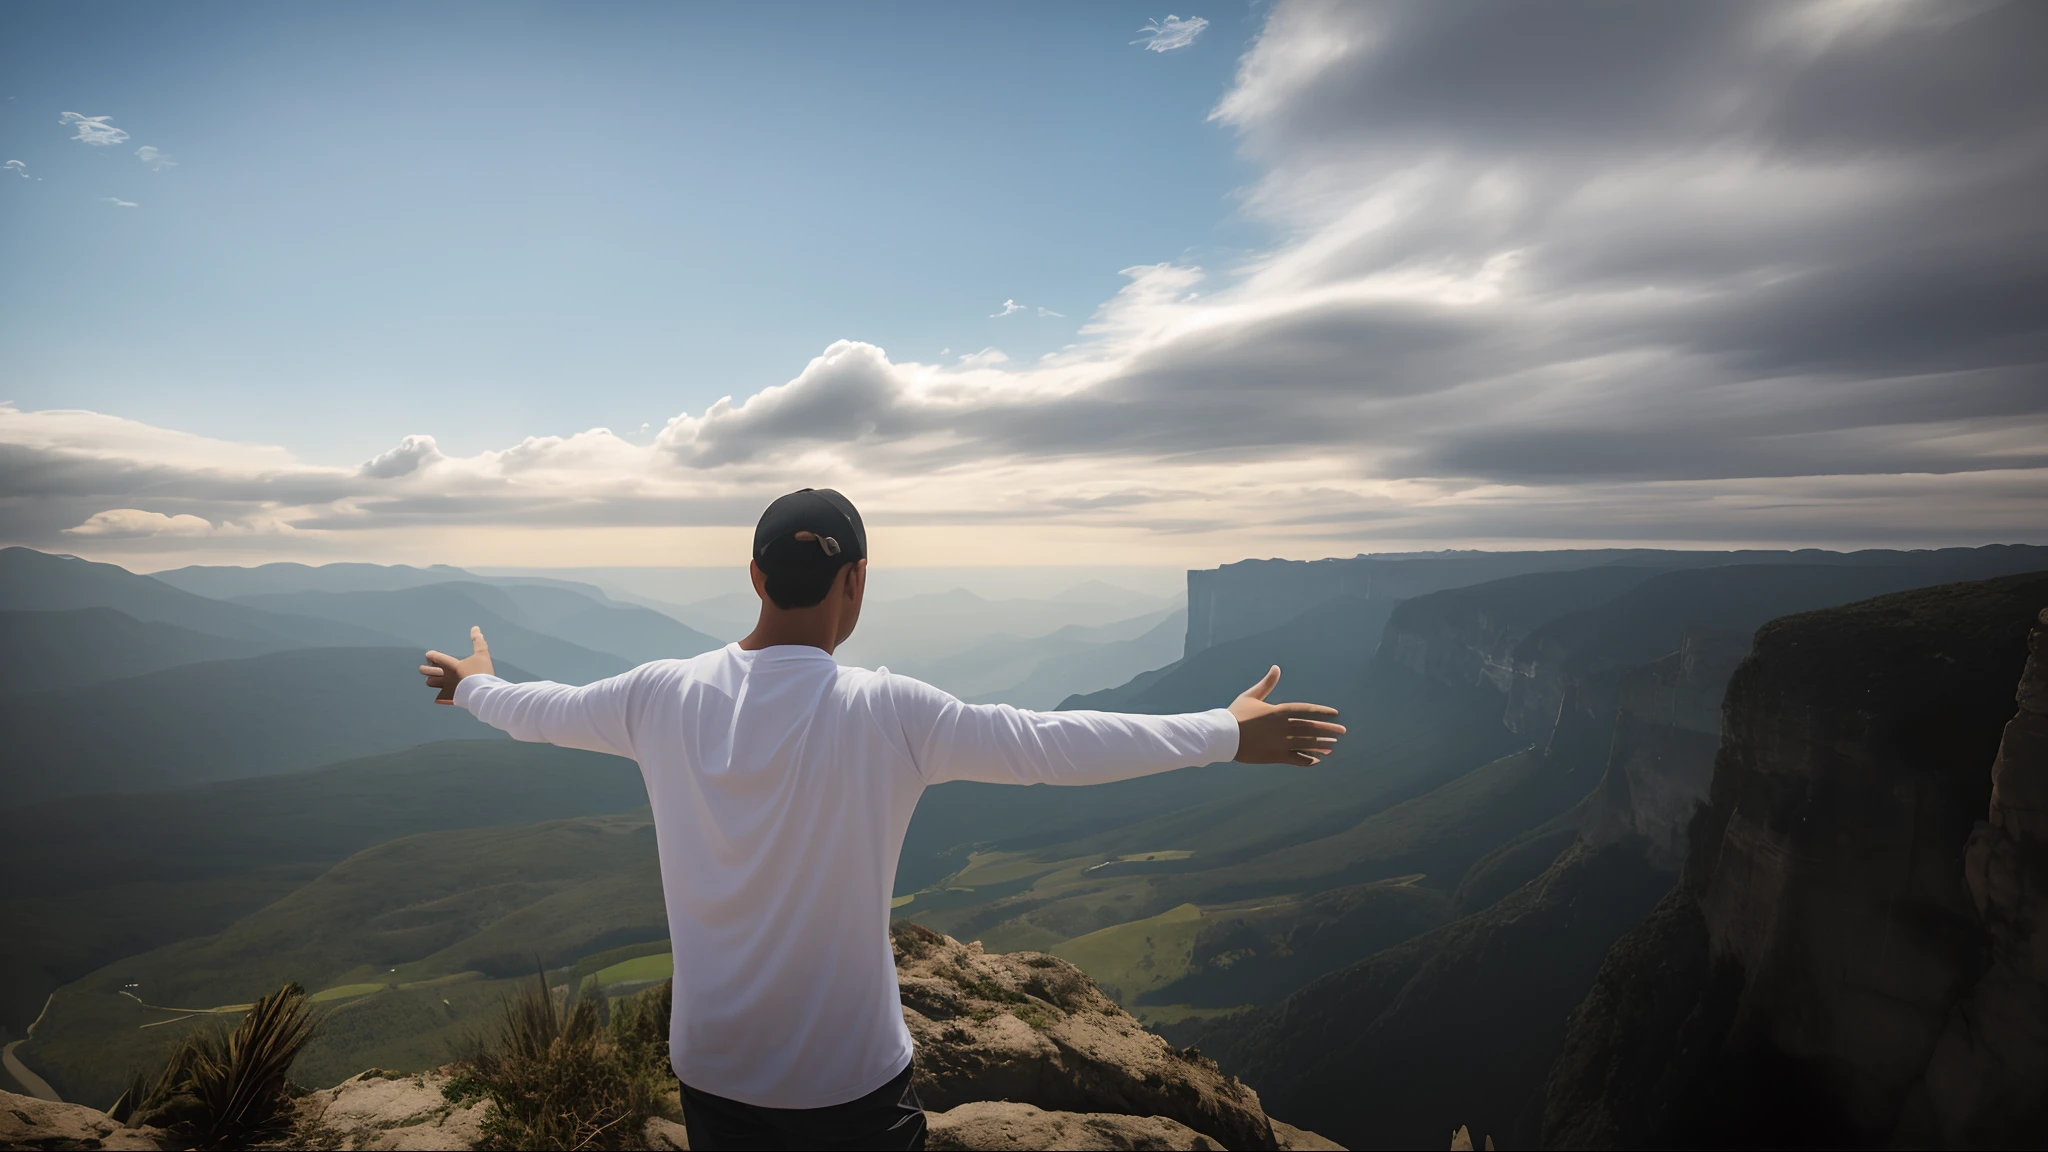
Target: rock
1986,1081
26,1122
1793,987
1033,1029
1294,1139
666,1135
1666,733
387,1111
1000,1126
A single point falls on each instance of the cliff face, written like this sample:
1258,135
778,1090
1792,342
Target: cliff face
1822,939
1987,1083
1661,762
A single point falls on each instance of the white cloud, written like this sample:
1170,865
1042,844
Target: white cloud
155,157
1011,308
93,130
16,167
134,522
1170,33
117,202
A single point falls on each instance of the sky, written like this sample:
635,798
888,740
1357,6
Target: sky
567,285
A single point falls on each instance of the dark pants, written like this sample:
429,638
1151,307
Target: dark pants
887,1118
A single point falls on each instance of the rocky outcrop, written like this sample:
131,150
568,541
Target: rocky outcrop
1032,1029
1822,940
26,1122
1987,1083
1000,1126
387,1111
992,1125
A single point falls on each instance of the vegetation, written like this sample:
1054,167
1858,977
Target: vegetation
143,871
559,1077
230,1090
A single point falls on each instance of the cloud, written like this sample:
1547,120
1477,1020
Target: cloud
1764,274
134,522
93,130
1011,308
155,157
412,454
17,167
1170,33
117,201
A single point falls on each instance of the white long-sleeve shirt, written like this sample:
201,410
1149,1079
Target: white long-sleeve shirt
781,785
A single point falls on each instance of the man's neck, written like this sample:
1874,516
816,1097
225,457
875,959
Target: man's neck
815,627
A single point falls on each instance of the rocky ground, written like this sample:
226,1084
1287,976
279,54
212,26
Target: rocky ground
1014,1051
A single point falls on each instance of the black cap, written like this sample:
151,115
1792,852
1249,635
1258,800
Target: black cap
820,511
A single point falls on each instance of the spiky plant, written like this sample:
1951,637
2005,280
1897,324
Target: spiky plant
558,1078
230,1089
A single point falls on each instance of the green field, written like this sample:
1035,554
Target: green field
1131,959
644,969
344,992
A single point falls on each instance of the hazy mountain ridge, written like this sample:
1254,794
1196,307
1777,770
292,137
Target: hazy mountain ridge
222,720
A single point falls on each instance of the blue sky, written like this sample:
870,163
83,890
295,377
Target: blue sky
467,283
491,220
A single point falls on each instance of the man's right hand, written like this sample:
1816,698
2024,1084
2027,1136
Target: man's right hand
445,672
1281,733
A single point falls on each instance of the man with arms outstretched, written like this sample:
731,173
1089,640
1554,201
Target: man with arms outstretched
781,785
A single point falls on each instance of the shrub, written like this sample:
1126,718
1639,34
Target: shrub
230,1090
557,1077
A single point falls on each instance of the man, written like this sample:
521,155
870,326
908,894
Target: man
781,785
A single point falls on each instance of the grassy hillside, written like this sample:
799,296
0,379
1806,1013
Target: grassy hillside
64,649
429,922
144,870
221,720
32,581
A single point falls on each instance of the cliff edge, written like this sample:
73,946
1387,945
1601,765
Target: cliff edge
1820,974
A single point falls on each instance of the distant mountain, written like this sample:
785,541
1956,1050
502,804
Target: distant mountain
222,582
222,720
440,616
85,645
1252,595
1054,678
921,630
578,613
147,869
41,582
628,631
1003,660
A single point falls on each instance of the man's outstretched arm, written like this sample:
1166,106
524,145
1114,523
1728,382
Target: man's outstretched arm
591,717
998,744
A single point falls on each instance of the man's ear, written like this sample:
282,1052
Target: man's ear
760,578
857,578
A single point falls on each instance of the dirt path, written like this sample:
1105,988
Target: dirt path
35,1085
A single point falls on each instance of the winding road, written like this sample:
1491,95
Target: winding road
36,1085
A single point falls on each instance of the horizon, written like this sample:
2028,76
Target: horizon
495,285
